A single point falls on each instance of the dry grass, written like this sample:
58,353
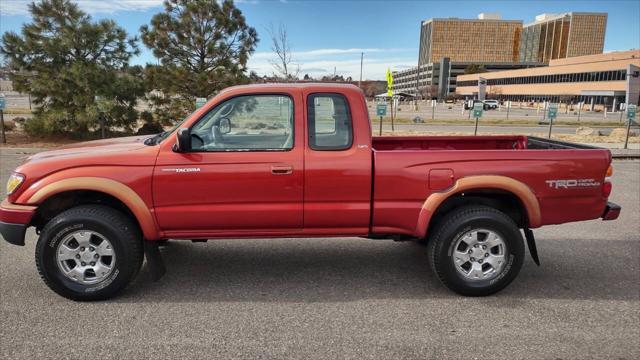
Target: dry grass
20,139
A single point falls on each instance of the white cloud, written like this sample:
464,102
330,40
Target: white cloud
20,7
346,62
325,52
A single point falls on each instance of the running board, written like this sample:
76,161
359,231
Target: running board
154,259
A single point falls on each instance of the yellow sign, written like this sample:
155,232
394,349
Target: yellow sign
389,83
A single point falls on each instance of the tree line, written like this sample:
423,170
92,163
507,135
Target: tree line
79,75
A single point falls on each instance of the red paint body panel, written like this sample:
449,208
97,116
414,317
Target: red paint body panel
233,190
15,216
378,185
401,178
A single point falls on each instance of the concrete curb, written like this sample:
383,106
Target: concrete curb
622,154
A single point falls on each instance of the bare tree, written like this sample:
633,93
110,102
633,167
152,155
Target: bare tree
430,92
284,66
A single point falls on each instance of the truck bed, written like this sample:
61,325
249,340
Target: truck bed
404,170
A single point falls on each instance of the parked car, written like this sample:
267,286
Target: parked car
297,160
469,104
491,104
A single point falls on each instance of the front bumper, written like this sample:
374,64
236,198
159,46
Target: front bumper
611,211
14,221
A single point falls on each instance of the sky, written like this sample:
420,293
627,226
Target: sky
329,36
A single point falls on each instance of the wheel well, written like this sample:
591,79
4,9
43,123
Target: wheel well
58,203
503,201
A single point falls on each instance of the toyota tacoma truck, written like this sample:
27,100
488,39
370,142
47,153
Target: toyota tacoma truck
297,160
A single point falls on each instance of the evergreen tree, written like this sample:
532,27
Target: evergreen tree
203,46
64,59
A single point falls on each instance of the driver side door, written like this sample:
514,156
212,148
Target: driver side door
243,175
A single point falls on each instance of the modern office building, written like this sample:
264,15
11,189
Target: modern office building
438,79
486,39
559,36
604,79
449,46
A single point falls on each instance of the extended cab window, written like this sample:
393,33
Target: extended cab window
251,122
329,122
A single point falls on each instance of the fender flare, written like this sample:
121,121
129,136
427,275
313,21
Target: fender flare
111,187
493,182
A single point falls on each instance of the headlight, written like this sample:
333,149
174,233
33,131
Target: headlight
15,180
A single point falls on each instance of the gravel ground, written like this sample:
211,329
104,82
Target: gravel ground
341,298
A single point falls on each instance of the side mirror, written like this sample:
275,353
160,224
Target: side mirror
224,125
183,140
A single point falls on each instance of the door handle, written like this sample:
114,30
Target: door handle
281,169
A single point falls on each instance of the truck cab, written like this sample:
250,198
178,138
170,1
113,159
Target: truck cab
285,153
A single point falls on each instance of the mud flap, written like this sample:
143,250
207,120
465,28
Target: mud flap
154,260
531,243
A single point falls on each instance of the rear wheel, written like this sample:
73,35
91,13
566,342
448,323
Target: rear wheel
476,250
89,252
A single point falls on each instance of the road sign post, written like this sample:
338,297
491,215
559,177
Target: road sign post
2,105
477,113
433,110
631,116
390,96
552,114
381,110
580,104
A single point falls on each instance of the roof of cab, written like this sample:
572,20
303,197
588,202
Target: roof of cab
299,86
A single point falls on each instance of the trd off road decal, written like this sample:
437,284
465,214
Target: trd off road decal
572,183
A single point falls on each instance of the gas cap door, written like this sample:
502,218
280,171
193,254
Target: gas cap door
440,179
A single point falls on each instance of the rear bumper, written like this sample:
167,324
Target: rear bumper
14,220
611,211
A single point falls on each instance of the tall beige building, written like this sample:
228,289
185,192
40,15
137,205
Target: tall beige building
559,36
486,39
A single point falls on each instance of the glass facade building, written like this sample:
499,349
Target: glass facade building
560,36
469,40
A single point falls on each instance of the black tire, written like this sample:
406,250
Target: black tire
121,231
457,223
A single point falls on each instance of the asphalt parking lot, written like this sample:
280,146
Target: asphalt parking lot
341,298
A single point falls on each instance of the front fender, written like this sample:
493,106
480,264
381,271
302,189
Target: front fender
42,190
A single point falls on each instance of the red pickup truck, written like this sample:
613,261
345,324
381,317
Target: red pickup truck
297,160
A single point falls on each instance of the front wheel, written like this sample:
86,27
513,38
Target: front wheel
476,251
89,252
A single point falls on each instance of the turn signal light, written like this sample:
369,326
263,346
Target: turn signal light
15,180
609,171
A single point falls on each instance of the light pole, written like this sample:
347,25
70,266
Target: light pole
361,60
418,70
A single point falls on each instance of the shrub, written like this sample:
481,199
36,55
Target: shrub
150,125
9,125
37,126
